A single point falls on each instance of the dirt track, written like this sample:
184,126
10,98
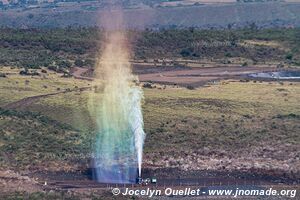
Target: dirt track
162,74
183,75
29,100
200,76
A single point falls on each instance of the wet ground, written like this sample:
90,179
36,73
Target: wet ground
280,75
165,177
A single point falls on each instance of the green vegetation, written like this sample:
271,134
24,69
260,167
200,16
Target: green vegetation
35,48
217,43
215,121
230,125
63,48
15,86
220,118
29,139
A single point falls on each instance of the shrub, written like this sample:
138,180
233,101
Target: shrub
79,63
64,64
289,56
30,16
53,68
26,72
185,52
228,54
190,87
280,65
89,62
147,85
2,75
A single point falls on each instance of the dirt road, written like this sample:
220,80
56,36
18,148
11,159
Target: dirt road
183,76
29,100
200,76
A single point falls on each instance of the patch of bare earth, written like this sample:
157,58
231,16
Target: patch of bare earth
11,181
281,160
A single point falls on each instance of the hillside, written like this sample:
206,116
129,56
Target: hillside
203,16
64,48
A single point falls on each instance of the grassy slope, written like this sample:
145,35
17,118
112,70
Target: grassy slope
15,87
33,141
34,48
29,139
231,120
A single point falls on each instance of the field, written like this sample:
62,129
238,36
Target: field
203,115
229,126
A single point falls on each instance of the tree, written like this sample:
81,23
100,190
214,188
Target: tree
30,16
289,56
79,63
64,64
185,52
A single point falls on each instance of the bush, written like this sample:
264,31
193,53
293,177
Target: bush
79,63
64,64
2,75
280,65
228,54
147,85
53,68
89,62
27,72
185,52
30,64
190,87
289,56
30,16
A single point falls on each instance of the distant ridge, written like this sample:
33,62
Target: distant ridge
206,16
